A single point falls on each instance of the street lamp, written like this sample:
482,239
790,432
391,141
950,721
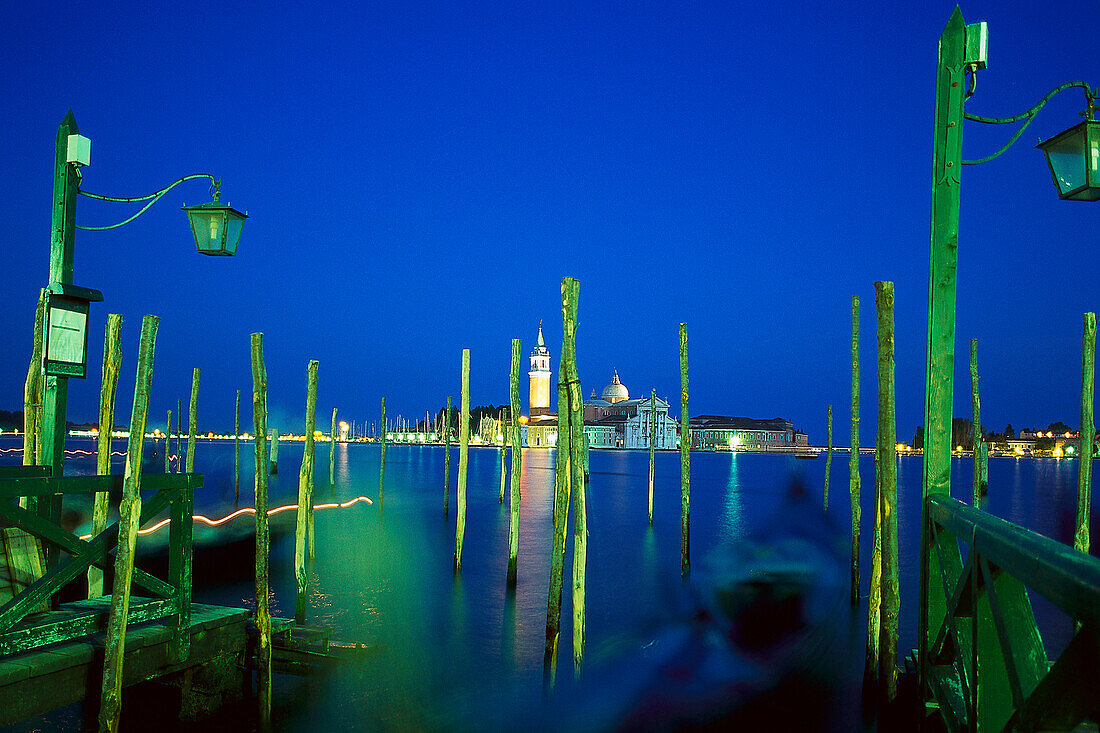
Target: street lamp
1072,157
65,354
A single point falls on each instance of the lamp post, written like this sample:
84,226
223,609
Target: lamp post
1074,160
216,229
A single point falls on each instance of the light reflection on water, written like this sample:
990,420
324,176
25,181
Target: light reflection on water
443,644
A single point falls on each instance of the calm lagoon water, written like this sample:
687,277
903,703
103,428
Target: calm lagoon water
447,647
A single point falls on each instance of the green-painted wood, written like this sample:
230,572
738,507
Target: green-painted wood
1088,430
236,450
447,457
652,446
274,451
517,464
180,556
874,600
193,421
886,449
112,362
303,530
562,490
382,460
263,613
828,454
463,460
332,454
1068,693
54,628
853,454
32,387
943,257
39,485
129,517
168,443
577,462
685,458
978,443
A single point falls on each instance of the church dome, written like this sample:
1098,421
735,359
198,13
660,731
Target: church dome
616,391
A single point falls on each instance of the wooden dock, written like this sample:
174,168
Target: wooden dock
54,676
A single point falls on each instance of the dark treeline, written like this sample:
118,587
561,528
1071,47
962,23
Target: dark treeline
476,414
962,433
14,421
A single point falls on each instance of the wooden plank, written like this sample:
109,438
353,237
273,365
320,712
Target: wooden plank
180,557
25,562
50,630
45,486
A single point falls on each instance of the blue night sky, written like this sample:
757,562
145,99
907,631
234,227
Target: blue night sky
422,176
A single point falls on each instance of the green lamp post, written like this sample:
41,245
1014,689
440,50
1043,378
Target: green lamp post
1072,157
217,231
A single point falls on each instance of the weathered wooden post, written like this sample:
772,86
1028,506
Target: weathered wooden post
685,456
503,451
652,446
562,487
853,453
577,465
179,435
274,451
263,614
382,460
112,362
236,451
305,496
517,465
1088,430
447,457
168,444
886,449
129,518
193,421
332,452
463,459
32,390
978,442
828,454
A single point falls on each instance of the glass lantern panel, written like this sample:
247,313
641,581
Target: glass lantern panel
1066,160
234,225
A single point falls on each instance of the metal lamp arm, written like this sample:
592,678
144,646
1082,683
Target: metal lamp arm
1090,98
152,198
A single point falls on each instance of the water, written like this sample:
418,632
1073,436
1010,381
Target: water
447,647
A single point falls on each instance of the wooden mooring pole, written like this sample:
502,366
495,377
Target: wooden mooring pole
577,466
503,451
179,435
463,459
853,453
382,460
886,449
447,458
193,421
332,453
1088,430
981,475
685,457
32,390
652,446
263,614
305,498
129,517
112,362
168,444
828,454
517,464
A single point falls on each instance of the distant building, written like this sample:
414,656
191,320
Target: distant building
721,432
618,421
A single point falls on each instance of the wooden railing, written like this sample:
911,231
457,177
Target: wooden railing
170,598
986,667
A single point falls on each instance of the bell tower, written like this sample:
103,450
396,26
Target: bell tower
540,378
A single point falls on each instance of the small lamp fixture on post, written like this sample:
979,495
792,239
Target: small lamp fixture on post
1074,160
216,226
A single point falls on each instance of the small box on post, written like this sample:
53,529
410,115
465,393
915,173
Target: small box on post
78,150
65,353
977,43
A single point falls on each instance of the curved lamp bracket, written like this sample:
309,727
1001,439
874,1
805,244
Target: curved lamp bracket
215,186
